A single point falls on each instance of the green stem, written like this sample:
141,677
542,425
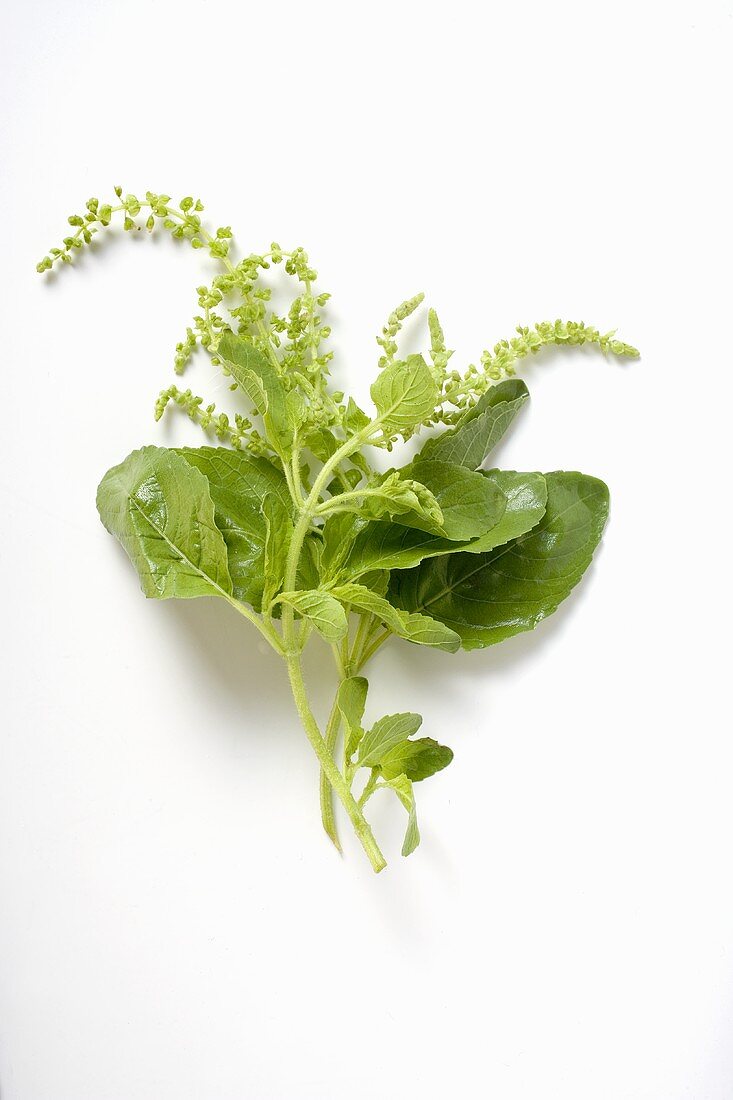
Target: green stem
366,623
370,787
334,776
290,638
327,815
335,504
370,650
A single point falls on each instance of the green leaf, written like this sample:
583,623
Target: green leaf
526,497
238,484
469,502
354,418
392,495
402,787
351,701
405,393
382,545
256,375
279,531
321,609
480,428
161,511
491,596
384,735
308,574
377,582
420,629
339,532
322,443
416,759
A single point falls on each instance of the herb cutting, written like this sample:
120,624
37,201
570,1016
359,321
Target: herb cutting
289,523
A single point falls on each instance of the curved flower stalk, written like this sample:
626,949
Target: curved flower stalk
290,524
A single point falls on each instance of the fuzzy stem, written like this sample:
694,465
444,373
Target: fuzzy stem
334,776
327,815
329,770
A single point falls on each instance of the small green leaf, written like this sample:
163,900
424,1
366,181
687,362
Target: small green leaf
416,759
321,609
480,428
420,629
488,597
351,700
402,787
405,394
161,510
278,532
385,734
339,532
354,418
254,373
322,443
309,563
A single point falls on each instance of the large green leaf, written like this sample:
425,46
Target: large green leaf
256,375
405,393
526,500
491,596
480,428
389,546
161,510
238,484
470,503
381,545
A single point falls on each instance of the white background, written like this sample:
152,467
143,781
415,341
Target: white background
173,922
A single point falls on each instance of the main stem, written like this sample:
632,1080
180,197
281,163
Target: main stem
362,827
292,652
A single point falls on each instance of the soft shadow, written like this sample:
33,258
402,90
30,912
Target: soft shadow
222,649
108,240
447,672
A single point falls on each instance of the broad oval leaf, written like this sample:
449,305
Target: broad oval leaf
470,503
238,484
161,510
405,393
480,428
381,545
526,500
491,596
